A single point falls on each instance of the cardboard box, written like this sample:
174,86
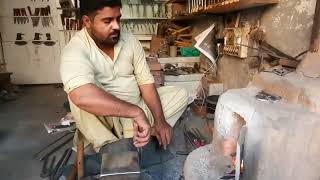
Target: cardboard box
155,44
211,86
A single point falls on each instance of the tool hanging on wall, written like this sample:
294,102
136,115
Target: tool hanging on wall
34,16
37,39
49,41
19,40
200,5
20,16
145,27
45,13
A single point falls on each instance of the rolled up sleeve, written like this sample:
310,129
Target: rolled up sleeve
75,70
141,68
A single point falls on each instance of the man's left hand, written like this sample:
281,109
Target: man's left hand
164,132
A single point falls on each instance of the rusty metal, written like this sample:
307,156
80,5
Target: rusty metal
50,144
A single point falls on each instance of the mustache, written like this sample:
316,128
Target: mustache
117,33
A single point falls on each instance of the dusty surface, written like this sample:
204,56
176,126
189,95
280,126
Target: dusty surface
293,87
21,130
205,163
310,66
279,134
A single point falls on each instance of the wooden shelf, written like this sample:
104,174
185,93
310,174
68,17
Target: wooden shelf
69,9
187,17
175,1
235,6
226,8
144,18
143,37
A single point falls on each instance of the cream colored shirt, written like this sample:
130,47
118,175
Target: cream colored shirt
82,62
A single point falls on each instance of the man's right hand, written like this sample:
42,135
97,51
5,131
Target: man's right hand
141,128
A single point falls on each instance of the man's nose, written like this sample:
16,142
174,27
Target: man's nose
115,25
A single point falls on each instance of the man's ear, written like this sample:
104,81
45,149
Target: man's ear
86,21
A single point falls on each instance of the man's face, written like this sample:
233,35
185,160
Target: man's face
105,26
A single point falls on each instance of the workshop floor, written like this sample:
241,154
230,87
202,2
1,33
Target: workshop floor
22,132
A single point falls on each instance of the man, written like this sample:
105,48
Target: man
111,90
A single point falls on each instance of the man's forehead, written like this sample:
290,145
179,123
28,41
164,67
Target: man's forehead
109,12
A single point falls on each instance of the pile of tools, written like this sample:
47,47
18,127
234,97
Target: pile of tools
194,6
44,13
179,36
50,168
194,139
20,16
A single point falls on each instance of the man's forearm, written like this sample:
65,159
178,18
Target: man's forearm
152,100
95,100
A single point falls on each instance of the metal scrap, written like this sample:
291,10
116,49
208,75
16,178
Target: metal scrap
267,97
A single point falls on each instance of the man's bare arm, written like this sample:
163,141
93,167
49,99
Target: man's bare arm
152,99
95,100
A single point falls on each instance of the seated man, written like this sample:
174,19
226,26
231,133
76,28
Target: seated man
111,90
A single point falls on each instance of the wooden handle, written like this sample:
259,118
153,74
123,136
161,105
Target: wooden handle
73,173
80,159
314,41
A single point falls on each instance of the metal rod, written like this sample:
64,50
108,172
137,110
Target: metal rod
47,146
55,149
54,171
189,139
64,162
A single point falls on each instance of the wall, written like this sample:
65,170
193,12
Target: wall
30,64
288,27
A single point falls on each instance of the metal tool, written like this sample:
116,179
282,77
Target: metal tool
34,18
50,42
123,163
59,163
50,144
62,164
44,168
56,148
37,39
46,171
24,13
19,40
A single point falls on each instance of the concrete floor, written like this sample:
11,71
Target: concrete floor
22,133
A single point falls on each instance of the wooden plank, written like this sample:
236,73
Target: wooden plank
242,4
315,37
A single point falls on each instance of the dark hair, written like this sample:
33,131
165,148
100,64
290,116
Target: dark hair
89,7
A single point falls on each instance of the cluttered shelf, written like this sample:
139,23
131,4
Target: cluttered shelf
237,5
175,1
189,11
144,18
187,17
68,9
